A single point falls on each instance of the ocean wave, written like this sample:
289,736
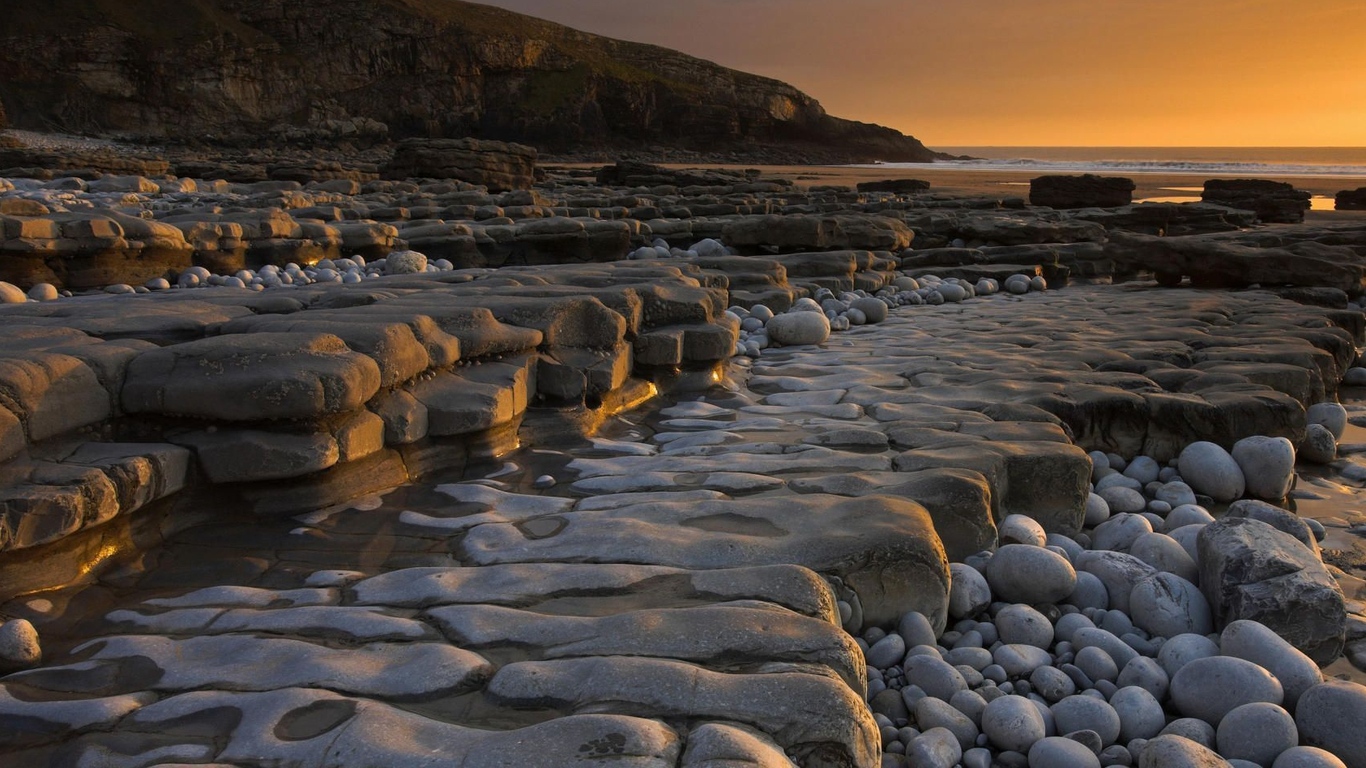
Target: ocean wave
1183,167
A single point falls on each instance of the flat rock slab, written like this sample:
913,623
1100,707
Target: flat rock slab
251,378
806,714
377,670
883,548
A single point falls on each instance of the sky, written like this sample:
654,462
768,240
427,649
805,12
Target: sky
1034,72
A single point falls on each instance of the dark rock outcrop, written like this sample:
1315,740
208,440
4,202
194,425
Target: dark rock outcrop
237,70
1351,200
1213,263
1086,191
895,186
1272,201
494,164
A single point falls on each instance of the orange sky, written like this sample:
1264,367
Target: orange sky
1034,72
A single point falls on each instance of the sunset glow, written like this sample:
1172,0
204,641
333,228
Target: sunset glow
1045,72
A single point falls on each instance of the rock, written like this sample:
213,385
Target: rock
1140,715
933,713
1118,571
1060,752
1250,570
795,328
1145,673
1076,713
1178,752
1210,470
1280,519
1165,554
1211,687
1013,723
1123,500
1196,730
1180,650
1018,529
1256,643
1167,605
1097,511
1022,624
1120,531
1307,757
19,648
42,292
916,629
1020,573
1272,201
1350,200
1085,191
887,652
494,164
1257,732
1329,716
1319,446
969,593
1329,414
874,310
1268,465
405,263
251,377
934,676
12,294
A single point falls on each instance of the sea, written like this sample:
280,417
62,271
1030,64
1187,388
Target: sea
1347,162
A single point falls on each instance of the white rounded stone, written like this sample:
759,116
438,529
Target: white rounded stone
19,647
405,263
1209,469
1329,414
798,327
43,292
1268,465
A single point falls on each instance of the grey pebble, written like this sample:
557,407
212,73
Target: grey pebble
1024,625
1257,732
1140,715
935,748
1180,650
1096,664
1144,672
1211,687
934,675
932,713
1060,752
1087,713
1013,723
1192,728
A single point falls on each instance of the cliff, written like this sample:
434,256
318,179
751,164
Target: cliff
238,71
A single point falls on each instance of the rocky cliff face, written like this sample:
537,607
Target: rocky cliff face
326,70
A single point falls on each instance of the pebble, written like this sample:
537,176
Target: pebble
1255,642
1196,730
1209,469
1167,605
1140,715
1257,732
933,713
1165,554
887,652
1052,684
1120,531
1179,651
977,757
1123,500
1187,514
1061,752
1178,752
1144,469
1319,446
1144,672
935,748
1088,714
1308,757
1090,592
1022,624
1211,687
1176,493
1328,414
934,676
1330,716
1020,660
969,593
915,629
1019,529
799,327
1268,464
1096,664
19,646
1019,573
1013,723
1116,648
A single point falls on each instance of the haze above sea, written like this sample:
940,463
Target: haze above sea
1347,162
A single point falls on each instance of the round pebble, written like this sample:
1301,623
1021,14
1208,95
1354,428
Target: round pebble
915,629
1122,529
1196,730
969,593
1140,714
1209,469
1165,554
1187,514
1167,605
1019,529
933,675
1330,716
1211,687
1090,592
797,328
1177,752
935,748
1257,732
934,713
1052,683
1013,723
1060,752
1268,464
1328,414
1019,573
1308,757
19,646
1019,660
1097,510
1179,651
886,652
1096,663
1319,446
1257,643
1176,493
1022,624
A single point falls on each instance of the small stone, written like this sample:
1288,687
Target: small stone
935,748
1196,730
1090,592
1309,757
1255,642
1019,573
1210,470
1211,687
1167,605
1116,754
933,675
1019,529
1119,532
1022,624
1268,465
1319,446
969,593
887,652
43,292
1144,672
1257,732
1144,469
933,713
1096,664
1020,660
1013,723
405,263
19,647
1328,414
543,482
1140,715
1052,683
1097,510
1175,493
1187,514
798,328
1060,752
1330,716
1179,651
915,629
1178,752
